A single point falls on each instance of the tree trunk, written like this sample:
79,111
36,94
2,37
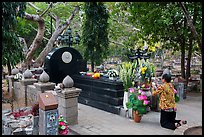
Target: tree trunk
36,43
9,67
92,65
188,67
191,25
183,60
59,29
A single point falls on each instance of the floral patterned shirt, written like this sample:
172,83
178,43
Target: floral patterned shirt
167,96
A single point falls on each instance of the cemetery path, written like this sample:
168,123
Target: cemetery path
92,121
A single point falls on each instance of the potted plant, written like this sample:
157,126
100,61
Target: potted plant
127,74
138,102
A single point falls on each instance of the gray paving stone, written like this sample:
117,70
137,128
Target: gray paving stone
92,121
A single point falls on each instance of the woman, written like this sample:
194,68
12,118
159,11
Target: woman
167,103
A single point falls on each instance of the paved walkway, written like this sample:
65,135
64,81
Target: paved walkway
92,121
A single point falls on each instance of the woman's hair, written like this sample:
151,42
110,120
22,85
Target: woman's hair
167,77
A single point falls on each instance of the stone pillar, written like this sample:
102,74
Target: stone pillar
10,83
48,114
23,89
68,104
39,87
68,101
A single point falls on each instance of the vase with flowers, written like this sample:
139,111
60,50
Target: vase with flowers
127,72
138,102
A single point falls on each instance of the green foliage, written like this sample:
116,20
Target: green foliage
95,32
127,73
164,21
177,98
12,49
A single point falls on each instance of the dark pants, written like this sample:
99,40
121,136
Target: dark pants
168,119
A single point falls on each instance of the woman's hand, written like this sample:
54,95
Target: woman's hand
154,86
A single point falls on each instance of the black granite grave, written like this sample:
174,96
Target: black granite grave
101,93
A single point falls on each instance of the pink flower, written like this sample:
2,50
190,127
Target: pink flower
139,91
143,85
143,93
146,102
131,90
140,97
62,124
144,97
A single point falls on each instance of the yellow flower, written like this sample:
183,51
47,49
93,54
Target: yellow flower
143,70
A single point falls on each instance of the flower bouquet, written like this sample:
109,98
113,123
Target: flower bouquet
63,126
147,70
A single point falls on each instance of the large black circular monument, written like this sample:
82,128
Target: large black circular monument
63,61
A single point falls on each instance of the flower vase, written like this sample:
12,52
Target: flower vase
125,100
136,117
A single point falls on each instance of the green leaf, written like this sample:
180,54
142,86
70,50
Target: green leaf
62,127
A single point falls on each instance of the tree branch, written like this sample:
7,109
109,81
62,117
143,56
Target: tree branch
37,30
32,17
76,10
59,29
190,24
32,5
49,6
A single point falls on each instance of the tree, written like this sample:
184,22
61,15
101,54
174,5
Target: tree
28,29
40,17
165,22
196,11
95,32
12,49
124,35
191,24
